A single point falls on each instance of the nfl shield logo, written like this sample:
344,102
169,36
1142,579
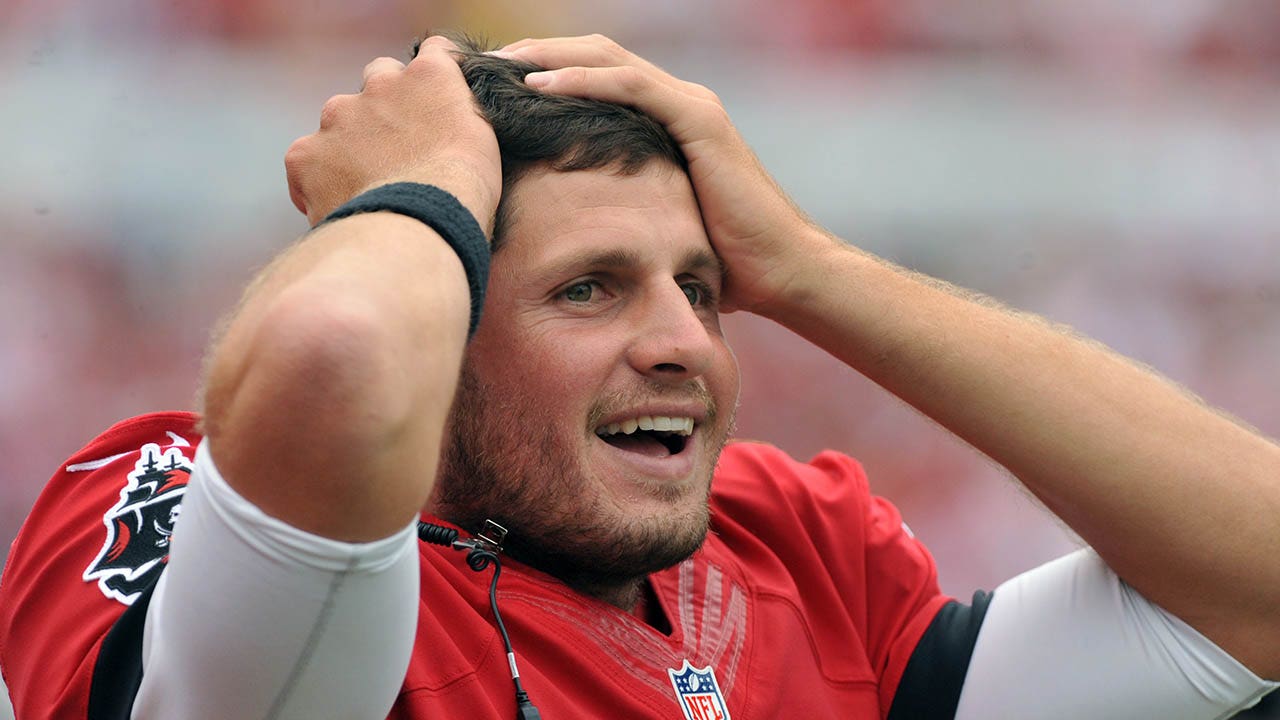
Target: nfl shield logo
698,693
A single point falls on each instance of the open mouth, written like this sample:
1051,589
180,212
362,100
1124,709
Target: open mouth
653,436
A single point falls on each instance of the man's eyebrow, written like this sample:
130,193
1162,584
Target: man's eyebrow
593,259
702,259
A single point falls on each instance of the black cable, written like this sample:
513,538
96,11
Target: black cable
437,534
480,554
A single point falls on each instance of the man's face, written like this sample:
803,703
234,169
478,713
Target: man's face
598,390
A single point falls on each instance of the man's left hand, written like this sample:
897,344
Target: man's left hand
759,234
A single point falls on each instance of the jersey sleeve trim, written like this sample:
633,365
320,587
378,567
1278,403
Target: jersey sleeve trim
117,672
931,684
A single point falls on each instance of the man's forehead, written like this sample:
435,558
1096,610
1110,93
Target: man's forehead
606,218
533,185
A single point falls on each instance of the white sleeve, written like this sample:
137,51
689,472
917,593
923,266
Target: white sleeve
1070,640
254,618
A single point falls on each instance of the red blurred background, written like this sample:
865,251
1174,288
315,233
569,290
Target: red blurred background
1112,166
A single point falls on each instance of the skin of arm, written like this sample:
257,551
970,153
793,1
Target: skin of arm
1182,501
328,392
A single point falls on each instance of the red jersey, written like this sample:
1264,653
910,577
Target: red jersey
807,599
95,540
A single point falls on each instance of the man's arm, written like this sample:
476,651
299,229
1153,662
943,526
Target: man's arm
1181,500
336,373
292,586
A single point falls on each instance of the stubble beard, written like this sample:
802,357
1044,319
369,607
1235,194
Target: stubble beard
503,463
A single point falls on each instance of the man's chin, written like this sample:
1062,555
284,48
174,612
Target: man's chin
598,557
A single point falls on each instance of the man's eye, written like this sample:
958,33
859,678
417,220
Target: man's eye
578,292
696,293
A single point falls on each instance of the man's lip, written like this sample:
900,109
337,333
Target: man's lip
697,411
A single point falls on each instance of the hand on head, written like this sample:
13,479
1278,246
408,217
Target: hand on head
416,122
755,228
420,122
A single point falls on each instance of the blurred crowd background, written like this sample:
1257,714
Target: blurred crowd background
1114,166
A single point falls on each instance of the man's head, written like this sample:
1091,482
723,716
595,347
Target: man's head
537,131
598,390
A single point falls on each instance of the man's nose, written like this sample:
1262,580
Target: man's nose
673,341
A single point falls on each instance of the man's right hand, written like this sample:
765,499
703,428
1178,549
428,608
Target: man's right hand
417,122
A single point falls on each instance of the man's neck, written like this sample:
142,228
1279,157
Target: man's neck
634,596
649,609
624,596
637,598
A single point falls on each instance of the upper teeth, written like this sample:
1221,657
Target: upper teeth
677,425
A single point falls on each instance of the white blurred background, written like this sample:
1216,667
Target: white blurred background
1114,166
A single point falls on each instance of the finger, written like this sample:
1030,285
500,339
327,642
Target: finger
625,85
438,41
594,38
436,50
379,66
691,113
336,108
509,47
586,50
594,51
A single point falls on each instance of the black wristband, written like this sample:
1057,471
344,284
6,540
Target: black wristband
441,212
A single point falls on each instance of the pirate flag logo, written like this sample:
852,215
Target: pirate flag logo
139,527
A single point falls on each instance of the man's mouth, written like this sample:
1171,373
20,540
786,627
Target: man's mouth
651,435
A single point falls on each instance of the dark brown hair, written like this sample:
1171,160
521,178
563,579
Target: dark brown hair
536,129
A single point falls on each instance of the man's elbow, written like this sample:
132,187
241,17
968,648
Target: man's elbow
303,407
305,361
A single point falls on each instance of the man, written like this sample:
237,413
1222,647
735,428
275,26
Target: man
588,415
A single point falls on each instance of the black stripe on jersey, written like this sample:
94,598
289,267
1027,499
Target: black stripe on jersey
931,684
117,673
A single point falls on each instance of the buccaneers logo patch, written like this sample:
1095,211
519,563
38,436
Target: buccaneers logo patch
698,693
140,525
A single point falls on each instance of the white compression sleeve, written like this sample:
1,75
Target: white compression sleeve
1070,640
254,618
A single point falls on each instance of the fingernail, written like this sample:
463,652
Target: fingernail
504,54
538,79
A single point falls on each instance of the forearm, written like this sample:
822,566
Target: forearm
328,393
1180,500
328,634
